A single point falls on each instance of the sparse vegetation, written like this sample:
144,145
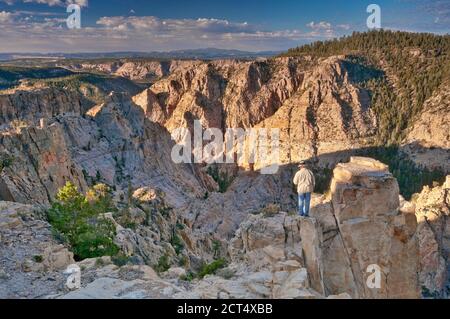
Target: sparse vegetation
216,246
38,259
120,260
410,177
226,273
177,243
6,161
270,210
79,220
212,268
163,264
222,179
410,67
190,276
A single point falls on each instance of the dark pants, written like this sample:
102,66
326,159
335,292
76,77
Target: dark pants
304,202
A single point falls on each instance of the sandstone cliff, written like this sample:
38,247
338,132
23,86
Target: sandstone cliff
432,211
428,141
274,254
319,109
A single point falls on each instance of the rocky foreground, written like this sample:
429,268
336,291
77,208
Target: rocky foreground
271,255
172,219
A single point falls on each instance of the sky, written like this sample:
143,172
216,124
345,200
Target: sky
29,26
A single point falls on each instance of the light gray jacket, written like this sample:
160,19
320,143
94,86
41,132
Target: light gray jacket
305,181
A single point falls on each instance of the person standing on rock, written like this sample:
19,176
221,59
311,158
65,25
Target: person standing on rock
305,182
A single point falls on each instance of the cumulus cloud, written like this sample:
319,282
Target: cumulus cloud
150,23
323,25
147,33
5,17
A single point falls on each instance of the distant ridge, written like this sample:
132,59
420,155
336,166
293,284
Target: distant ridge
206,54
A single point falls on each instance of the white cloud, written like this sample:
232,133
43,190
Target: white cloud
5,17
46,33
343,26
51,3
323,25
150,23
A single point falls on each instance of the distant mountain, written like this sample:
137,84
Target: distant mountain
204,54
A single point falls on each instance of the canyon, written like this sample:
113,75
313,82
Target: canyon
123,138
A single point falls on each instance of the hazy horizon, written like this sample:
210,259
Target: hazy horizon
39,26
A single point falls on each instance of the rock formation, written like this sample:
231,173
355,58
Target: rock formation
428,140
31,260
432,211
190,216
365,201
272,255
319,109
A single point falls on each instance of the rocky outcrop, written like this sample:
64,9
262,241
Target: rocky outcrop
42,163
31,106
365,201
136,70
31,260
110,142
359,230
361,226
433,211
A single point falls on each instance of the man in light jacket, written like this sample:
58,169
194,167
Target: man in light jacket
305,182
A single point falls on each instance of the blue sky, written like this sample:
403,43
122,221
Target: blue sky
159,25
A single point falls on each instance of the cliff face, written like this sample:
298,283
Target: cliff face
433,211
272,255
319,108
41,103
224,93
365,201
110,142
124,141
428,141
147,71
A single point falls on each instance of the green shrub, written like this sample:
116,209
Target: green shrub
212,268
190,276
78,219
120,260
5,161
216,246
38,258
163,264
222,179
177,243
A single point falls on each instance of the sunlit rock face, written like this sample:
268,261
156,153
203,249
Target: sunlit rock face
318,108
365,201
